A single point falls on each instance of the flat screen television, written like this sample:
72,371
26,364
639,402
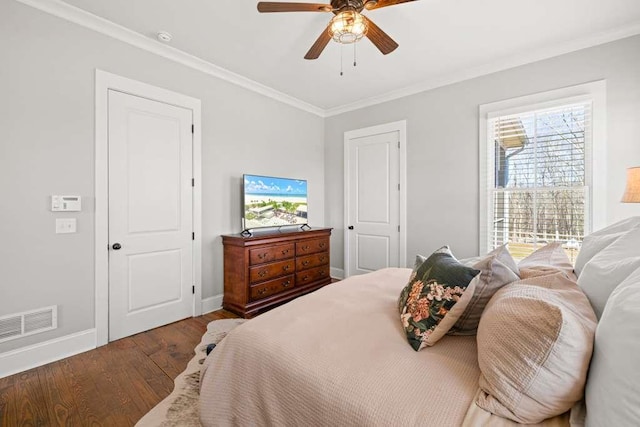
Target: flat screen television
274,202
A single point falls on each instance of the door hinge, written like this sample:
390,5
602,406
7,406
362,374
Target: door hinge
193,182
193,289
398,144
398,229
193,236
193,128
398,187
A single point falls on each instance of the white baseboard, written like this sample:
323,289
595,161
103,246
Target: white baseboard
32,356
337,273
211,304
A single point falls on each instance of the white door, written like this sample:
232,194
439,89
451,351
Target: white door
373,202
150,214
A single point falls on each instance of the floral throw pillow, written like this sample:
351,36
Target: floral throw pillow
439,290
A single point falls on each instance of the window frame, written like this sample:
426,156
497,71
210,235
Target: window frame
595,152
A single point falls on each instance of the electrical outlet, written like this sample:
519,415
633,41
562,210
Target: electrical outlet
65,225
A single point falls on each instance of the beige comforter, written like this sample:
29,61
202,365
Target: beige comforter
339,357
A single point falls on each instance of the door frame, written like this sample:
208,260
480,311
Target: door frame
104,82
401,128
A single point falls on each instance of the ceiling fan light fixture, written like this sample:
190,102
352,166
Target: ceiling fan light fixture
371,4
347,27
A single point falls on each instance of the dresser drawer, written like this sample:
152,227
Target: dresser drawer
271,287
311,275
271,253
269,271
312,246
310,261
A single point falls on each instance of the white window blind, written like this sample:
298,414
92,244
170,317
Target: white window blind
539,182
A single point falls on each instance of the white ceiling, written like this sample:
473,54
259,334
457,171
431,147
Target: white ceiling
440,40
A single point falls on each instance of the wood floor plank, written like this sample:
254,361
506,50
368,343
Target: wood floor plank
61,405
146,342
192,329
202,322
141,381
90,403
175,353
25,402
113,385
108,364
7,400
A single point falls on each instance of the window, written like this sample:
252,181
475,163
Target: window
538,168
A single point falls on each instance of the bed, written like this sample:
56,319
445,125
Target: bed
338,357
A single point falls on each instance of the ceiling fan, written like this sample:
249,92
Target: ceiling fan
347,26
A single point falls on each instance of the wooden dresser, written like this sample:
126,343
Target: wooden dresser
265,270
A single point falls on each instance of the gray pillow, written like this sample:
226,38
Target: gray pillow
497,270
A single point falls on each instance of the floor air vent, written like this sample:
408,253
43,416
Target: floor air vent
28,323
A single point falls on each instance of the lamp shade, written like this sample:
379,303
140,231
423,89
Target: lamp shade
632,192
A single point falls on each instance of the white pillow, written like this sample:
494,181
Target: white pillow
605,271
613,385
595,242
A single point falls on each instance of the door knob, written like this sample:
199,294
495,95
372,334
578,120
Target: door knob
116,246
350,227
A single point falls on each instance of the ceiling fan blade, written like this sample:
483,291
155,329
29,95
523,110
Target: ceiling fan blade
319,45
373,4
379,38
271,6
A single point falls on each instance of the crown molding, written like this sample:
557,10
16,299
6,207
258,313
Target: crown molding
501,65
88,20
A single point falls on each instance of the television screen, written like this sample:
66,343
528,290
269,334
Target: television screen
274,202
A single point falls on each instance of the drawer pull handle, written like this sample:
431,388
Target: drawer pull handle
322,273
263,273
305,248
262,256
287,283
285,252
322,245
285,267
262,291
306,262
322,259
305,278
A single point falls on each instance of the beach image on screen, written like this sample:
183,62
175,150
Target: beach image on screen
274,202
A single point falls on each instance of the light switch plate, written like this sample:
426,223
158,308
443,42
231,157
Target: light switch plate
65,225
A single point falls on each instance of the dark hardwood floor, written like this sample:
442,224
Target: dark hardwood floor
114,385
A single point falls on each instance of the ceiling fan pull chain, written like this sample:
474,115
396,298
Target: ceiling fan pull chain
341,51
354,54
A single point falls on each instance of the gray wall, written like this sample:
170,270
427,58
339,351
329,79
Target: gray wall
47,147
442,148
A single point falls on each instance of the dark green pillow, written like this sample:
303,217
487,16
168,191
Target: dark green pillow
426,305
